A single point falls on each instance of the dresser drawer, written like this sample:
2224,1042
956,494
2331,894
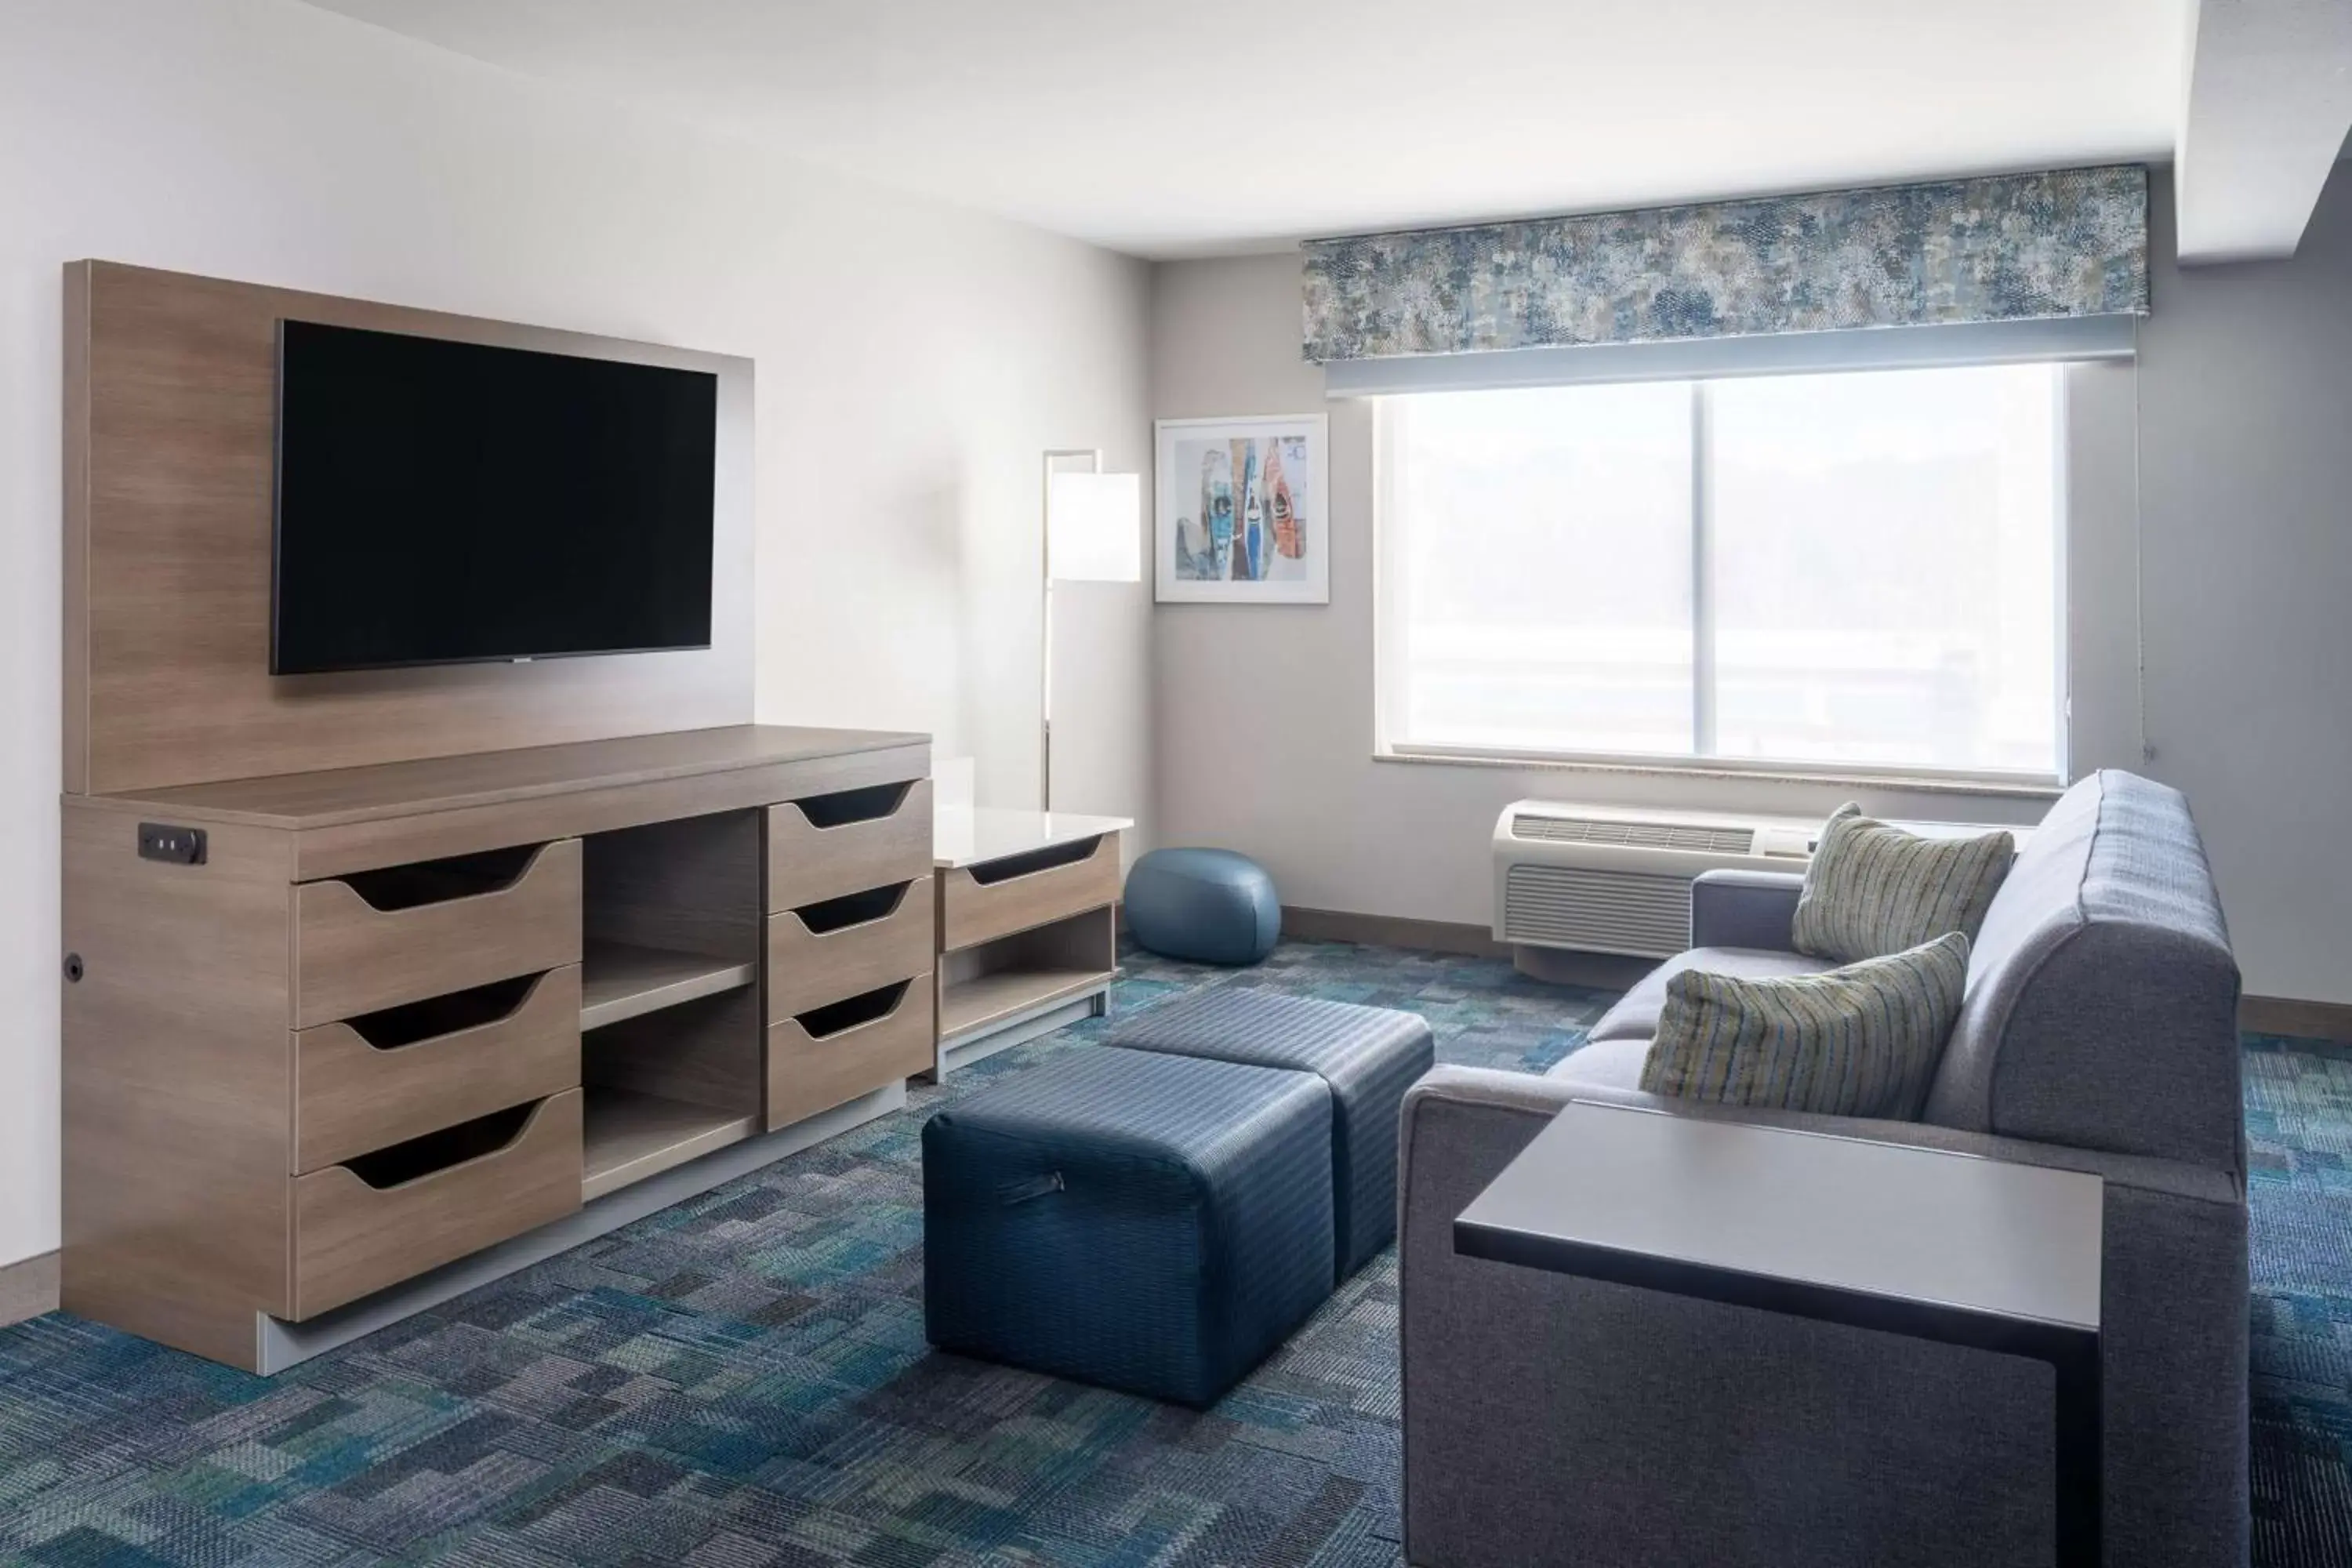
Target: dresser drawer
387,1216
836,844
393,1076
846,946
831,1054
379,939
979,903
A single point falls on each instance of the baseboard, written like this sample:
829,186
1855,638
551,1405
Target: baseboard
28,1288
2304,1020
1390,930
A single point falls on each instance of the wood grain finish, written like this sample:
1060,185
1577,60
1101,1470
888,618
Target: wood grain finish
985,985
177,1069
350,1097
356,819
705,1052
170,406
806,1075
971,912
351,958
688,886
807,864
350,1239
808,969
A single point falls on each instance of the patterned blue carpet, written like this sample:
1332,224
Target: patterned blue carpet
743,1380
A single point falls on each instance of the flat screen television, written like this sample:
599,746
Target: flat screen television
442,503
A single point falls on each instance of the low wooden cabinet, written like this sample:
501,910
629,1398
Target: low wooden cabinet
1027,935
385,1018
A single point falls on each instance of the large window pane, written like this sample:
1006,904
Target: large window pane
1539,569
1885,555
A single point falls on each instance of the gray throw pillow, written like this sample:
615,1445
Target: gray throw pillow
1858,1041
1873,890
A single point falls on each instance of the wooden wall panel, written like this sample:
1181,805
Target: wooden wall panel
170,430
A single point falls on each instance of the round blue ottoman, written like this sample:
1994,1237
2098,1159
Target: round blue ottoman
1210,906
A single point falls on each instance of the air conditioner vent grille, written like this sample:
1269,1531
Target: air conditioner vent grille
1635,835
1597,912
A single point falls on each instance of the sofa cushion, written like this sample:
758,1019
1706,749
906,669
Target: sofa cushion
2102,1002
1873,888
1857,1041
1636,1015
1605,1064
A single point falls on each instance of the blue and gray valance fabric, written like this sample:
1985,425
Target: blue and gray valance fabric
1858,1041
2018,247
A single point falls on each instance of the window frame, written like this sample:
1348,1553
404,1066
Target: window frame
1390,632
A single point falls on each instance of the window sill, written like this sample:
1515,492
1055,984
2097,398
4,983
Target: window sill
1980,786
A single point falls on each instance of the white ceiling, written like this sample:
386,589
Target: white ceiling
1188,127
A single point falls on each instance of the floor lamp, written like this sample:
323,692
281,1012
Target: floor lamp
1093,533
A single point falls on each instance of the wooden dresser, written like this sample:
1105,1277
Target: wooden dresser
330,1034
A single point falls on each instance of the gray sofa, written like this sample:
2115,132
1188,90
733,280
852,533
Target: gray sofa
1554,1420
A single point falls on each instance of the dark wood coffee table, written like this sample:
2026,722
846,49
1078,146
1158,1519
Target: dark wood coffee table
1937,1246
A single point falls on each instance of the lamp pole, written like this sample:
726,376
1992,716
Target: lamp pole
1092,456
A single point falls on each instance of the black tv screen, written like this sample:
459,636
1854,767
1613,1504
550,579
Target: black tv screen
444,502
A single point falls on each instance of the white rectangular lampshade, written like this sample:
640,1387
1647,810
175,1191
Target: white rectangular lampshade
1094,528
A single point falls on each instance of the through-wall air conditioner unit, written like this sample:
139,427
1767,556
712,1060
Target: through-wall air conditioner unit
1616,880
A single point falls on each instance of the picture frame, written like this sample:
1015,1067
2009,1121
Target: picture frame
1241,511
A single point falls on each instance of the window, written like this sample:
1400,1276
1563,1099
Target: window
1839,574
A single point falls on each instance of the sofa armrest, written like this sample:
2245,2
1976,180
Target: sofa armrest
1745,908
1552,1419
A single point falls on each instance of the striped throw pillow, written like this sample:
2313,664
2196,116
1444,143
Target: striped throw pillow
1873,890
1858,1041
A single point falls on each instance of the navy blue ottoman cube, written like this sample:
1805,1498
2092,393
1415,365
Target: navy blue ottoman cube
1368,1056
1151,1223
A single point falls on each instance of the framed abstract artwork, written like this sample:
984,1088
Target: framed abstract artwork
1241,515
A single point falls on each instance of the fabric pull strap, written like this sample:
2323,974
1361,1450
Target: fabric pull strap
1011,1192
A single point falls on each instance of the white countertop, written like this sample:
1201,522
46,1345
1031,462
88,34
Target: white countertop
967,834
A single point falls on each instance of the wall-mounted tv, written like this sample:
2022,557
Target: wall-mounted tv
443,503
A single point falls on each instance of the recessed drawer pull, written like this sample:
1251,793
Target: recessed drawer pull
847,945
391,1214
836,1016
354,956
394,888
390,1076
418,1158
1019,892
854,806
829,1056
410,1021
989,873
835,845
852,909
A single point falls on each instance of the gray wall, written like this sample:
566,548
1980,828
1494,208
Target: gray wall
2232,466
2246,501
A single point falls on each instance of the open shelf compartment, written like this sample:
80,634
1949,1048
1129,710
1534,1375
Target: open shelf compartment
985,985
672,1053
621,980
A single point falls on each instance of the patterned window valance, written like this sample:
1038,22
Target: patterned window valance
2002,248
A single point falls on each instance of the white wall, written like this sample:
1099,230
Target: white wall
913,363
2236,469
